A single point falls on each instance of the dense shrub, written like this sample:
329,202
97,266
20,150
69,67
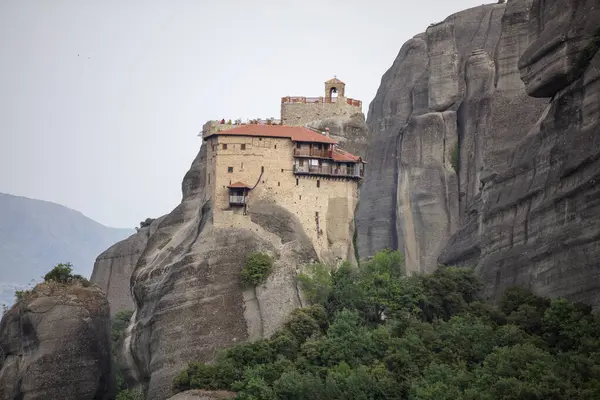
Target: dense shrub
130,394
375,333
146,222
60,273
316,283
256,269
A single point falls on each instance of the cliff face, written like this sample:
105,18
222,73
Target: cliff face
456,83
187,295
113,268
536,223
56,345
472,165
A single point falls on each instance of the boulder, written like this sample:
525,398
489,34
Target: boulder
55,345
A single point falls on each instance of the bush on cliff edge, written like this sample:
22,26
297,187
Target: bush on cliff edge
257,268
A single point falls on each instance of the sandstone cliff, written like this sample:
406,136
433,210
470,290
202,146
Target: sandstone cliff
471,164
457,82
113,268
536,222
55,345
187,295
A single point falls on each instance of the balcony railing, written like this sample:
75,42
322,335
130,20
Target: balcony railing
308,152
237,200
328,170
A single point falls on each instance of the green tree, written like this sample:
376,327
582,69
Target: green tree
60,273
316,283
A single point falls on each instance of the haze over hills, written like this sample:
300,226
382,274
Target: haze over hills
37,234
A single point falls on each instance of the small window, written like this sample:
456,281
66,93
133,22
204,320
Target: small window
296,181
275,146
301,162
208,178
281,169
298,145
224,146
300,197
242,166
278,183
243,146
259,138
318,183
230,169
262,169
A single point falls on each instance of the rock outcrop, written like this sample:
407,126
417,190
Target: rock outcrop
536,222
470,164
113,268
349,131
447,105
185,283
55,345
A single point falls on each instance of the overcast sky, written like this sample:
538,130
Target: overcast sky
101,101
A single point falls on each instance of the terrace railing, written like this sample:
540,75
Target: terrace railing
329,170
313,100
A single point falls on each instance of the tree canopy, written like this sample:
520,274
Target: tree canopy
375,333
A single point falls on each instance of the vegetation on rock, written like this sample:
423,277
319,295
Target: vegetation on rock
62,274
118,328
145,223
454,157
256,269
375,333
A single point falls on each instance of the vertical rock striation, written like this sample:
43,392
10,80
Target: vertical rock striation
447,104
516,86
536,223
113,268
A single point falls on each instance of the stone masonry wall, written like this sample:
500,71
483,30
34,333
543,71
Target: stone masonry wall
303,113
325,206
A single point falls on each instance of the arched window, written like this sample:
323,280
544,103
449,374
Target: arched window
333,93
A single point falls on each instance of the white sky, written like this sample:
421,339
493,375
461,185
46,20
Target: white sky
101,101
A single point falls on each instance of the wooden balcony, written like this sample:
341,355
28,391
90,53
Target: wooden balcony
327,170
237,200
317,153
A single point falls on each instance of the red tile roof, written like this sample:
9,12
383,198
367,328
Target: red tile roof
343,156
295,133
239,185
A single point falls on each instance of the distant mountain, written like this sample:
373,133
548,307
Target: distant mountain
35,235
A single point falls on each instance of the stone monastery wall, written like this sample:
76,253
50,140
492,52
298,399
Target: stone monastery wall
301,110
325,206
